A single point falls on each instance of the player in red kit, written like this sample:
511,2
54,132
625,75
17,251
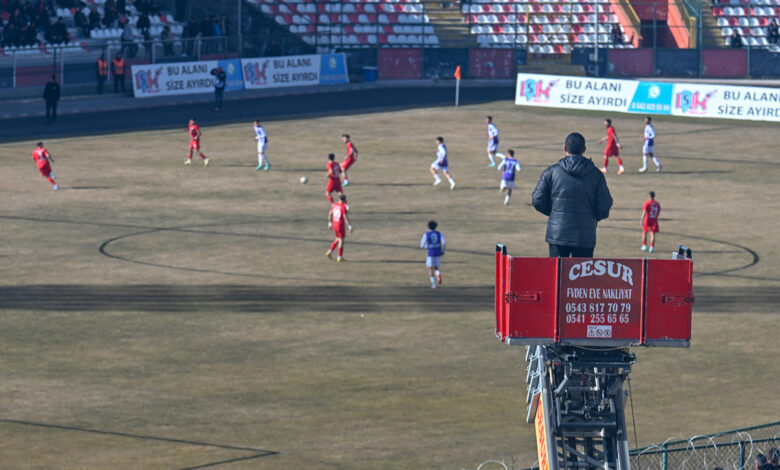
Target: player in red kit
42,158
194,131
613,147
339,221
352,154
650,211
334,178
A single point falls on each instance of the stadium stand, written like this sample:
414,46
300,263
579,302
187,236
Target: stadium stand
354,23
750,19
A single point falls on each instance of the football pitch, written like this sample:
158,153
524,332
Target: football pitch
157,316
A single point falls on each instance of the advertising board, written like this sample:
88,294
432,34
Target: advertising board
182,78
301,70
600,299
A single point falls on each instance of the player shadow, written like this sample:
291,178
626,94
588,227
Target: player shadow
401,184
81,188
695,172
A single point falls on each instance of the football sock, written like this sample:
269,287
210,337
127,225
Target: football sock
644,161
51,180
204,157
506,200
492,160
333,245
620,162
329,198
260,159
655,160
341,250
433,281
606,161
449,178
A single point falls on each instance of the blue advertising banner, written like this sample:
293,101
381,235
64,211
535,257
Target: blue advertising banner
235,79
652,98
333,69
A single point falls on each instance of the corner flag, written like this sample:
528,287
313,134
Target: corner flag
457,84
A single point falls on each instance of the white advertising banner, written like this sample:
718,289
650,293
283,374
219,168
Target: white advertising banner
574,92
726,101
272,72
182,78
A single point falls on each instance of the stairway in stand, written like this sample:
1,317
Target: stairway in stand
711,34
448,23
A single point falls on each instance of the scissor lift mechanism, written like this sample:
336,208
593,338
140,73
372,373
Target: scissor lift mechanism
577,318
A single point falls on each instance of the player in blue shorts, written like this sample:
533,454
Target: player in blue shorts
648,148
441,164
434,242
510,167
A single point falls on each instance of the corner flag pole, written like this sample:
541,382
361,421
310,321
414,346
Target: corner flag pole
457,84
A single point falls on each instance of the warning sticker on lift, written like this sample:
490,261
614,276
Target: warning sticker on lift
600,299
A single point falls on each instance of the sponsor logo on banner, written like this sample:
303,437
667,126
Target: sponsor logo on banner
254,73
536,90
693,103
652,98
148,81
333,69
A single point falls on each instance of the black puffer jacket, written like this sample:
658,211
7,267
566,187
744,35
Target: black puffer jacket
574,194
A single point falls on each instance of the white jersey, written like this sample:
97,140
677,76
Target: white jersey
260,134
649,133
441,156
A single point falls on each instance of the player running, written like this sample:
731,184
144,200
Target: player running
650,211
510,167
492,146
352,154
195,134
441,164
338,220
434,242
613,147
42,158
334,178
262,144
649,146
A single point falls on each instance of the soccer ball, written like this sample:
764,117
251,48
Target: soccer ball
304,180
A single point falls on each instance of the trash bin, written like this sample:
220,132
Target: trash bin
369,74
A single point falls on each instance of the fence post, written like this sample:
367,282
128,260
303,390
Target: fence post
14,69
665,457
741,454
655,37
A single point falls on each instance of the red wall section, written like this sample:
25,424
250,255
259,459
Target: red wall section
400,64
724,62
492,63
644,9
630,62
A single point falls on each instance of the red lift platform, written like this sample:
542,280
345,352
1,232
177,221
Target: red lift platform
578,317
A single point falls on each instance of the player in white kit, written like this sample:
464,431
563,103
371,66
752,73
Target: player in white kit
492,146
648,149
441,164
262,144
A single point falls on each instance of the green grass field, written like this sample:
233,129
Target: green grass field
158,316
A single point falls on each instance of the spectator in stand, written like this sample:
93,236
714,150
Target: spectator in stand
118,72
207,33
121,6
51,93
617,35
773,31
28,35
167,40
143,23
110,16
217,34
225,25
11,36
773,459
141,5
82,23
735,40
94,18
154,7
188,34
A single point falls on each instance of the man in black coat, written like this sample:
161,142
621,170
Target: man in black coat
52,96
573,193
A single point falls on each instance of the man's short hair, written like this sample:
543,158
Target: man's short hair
649,119
511,152
346,136
608,121
440,139
490,118
331,156
652,194
432,225
575,143
342,197
40,144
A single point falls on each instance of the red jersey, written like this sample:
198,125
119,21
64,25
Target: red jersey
194,132
350,150
652,208
611,136
338,211
41,156
334,171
